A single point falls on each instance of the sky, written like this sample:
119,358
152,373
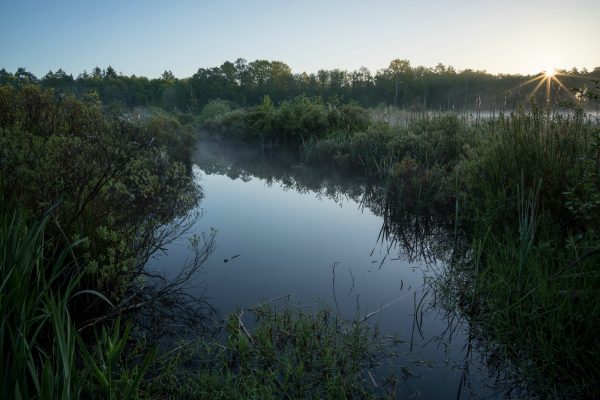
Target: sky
149,37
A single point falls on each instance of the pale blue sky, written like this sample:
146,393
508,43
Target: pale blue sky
148,37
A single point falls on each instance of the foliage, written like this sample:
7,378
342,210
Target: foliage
293,122
559,152
37,339
524,189
214,109
113,177
246,83
290,353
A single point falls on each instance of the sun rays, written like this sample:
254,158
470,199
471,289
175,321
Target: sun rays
550,79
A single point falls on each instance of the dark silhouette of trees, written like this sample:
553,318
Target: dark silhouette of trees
246,83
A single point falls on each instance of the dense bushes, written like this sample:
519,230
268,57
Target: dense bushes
214,109
109,188
414,160
112,177
560,154
292,122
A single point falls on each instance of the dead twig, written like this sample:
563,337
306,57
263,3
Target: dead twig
243,328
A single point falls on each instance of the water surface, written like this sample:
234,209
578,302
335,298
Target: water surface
286,230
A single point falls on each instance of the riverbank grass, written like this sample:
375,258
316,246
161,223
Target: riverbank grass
290,353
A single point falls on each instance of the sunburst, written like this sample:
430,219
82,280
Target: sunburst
547,78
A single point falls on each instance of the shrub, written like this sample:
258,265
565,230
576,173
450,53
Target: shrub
214,109
557,152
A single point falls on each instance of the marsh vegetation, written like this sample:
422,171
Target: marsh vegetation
506,208
520,189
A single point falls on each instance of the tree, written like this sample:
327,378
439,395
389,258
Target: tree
167,76
23,76
110,73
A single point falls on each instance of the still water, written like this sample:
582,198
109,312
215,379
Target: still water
286,230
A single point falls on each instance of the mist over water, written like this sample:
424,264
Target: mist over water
284,230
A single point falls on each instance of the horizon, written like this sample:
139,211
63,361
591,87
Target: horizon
76,74
147,38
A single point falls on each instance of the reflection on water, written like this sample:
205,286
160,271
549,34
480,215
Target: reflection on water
284,229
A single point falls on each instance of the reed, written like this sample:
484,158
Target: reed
44,356
290,353
37,338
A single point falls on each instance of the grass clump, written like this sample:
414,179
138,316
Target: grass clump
37,339
44,356
540,321
529,194
289,354
559,153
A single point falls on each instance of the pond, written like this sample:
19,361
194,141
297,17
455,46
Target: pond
285,230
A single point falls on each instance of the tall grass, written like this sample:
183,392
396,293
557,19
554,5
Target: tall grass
534,294
527,205
37,338
539,320
40,347
109,371
533,146
290,353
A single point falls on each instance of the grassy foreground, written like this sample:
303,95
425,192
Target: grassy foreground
291,354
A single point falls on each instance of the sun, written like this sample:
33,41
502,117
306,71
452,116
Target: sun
550,78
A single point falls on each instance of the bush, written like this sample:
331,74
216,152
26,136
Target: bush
113,178
557,152
214,109
294,122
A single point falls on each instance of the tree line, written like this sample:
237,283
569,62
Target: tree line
245,83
